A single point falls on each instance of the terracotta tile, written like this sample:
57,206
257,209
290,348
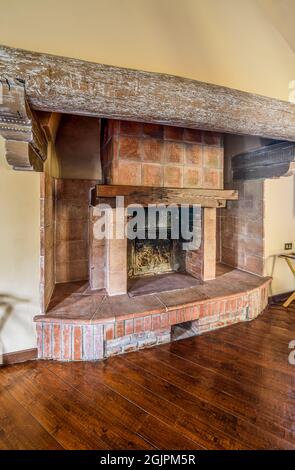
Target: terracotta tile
173,176
135,306
213,157
75,305
109,331
117,282
152,150
97,256
129,328
117,258
73,229
65,290
73,189
180,315
153,130
193,154
71,250
254,264
47,351
72,209
72,271
173,133
212,138
66,342
173,299
129,172
147,323
193,135
56,330
172,317
174,152
77,343
156,322
192,177
152,175
165,320
119,329
211,178
138,325
131,127
97,278
129,148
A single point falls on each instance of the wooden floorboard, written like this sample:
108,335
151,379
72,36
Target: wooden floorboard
229,389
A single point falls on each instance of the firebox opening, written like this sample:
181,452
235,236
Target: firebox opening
156,259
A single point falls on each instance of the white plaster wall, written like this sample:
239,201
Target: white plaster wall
19,256
279,229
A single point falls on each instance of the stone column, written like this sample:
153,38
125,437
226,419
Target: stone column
209,243
116,252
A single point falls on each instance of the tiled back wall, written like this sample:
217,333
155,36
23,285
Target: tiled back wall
153,155
72,229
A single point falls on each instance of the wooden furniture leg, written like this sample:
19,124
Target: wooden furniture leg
289,300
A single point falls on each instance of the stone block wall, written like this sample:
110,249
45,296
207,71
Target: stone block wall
152,155
72,229
242,228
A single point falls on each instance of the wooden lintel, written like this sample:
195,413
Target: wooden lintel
145,195
59,84
25,143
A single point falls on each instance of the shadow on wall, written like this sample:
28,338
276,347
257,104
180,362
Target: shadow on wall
7,305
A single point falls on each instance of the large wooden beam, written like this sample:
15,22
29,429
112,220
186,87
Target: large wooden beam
146,195
74,86
271,161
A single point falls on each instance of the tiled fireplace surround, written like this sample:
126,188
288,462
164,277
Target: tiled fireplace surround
88,314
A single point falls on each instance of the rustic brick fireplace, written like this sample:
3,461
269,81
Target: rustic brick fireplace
152,156
104,295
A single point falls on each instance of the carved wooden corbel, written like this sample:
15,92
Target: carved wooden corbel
25,142
271,161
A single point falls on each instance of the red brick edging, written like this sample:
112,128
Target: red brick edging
66,340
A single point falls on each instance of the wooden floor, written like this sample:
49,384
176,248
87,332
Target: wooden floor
229,389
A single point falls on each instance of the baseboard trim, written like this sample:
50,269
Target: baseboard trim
275,299
19,356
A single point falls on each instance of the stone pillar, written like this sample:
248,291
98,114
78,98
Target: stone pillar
201,263
116,252
209,243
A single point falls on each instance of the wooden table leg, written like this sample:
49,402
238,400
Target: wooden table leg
289,300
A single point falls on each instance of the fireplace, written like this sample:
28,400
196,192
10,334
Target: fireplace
105,295
152,165
154,250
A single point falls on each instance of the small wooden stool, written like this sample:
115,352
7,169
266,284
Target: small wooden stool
291,265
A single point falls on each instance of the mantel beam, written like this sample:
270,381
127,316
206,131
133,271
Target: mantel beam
146,195
65,85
